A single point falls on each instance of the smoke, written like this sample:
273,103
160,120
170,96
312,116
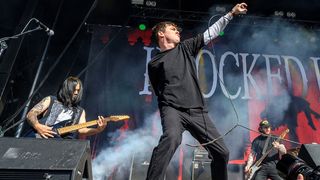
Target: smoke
137,144
273,36
226,114
250,35
117,159
246,34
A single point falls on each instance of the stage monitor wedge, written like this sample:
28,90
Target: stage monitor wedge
310,153
54,159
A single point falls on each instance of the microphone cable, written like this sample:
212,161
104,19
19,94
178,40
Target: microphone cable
220,80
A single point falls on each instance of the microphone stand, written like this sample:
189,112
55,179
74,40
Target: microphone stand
3,44
3,47
25,110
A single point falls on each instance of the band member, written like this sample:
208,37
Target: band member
65,106
260,145
173,76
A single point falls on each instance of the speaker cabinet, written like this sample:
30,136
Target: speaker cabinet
310,154
200,165
54,159
201,169
140,164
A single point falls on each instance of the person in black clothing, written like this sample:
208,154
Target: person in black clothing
173,76
260,145
61,108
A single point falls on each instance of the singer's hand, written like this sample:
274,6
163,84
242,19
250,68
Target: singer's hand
239,9
300,177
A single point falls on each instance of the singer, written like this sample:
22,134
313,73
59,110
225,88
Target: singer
173,76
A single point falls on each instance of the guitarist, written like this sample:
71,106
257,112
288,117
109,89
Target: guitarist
64,107
259,146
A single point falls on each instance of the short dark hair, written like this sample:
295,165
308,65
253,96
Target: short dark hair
161,26
66,90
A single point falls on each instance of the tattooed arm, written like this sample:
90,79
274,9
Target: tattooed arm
32,117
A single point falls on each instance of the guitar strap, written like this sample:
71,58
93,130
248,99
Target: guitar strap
266,145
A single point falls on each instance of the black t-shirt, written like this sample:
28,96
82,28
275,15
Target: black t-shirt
173,75
258,145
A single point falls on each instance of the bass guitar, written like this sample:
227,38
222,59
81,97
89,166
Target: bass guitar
65,129
256,166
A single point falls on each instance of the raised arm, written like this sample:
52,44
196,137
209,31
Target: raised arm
219,26
32,118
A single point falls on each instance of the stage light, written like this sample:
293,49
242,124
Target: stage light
278,13
151,3
137,2
291,14
221,9
142,27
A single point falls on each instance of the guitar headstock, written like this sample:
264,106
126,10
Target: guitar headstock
118,117
284,133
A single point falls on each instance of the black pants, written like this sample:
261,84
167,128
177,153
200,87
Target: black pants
197,122
266,171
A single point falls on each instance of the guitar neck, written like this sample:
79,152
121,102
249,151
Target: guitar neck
75,127
68,129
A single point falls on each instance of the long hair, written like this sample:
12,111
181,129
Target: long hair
66,90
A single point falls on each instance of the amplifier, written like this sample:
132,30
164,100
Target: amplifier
201,169
200,165
200,154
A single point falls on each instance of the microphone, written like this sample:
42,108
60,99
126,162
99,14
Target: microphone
45,28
